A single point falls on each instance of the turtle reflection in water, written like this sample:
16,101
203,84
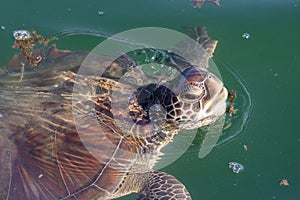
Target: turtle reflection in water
199,3
42,155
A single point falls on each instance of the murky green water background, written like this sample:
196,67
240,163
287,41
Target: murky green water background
269,63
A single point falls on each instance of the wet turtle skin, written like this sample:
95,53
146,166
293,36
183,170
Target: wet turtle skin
44,157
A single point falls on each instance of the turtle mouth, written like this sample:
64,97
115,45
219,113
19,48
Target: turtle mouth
217,106
213,110
223,94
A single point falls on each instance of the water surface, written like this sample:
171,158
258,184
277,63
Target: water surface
268,63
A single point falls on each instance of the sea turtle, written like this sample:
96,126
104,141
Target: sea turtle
44,157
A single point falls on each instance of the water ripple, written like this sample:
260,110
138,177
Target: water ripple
244,105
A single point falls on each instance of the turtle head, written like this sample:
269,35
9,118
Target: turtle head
199,98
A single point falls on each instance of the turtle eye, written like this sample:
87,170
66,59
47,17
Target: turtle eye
193,92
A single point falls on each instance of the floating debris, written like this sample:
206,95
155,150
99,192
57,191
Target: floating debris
231,98
26,41
245,147
2,27
227,124
230,109
246,35
236,167
100,13
22,35
199,3
284,182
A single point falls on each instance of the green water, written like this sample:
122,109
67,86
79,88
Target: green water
269,63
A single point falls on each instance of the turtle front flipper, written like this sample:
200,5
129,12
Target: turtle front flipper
162,186
5,166
199,34
195,50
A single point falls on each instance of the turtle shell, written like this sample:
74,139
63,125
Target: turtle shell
42,154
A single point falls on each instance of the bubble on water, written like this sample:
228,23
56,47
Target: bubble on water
100,13
22,35
236,167
2,27
246,35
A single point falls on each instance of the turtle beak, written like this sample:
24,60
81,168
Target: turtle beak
217,106
214,104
